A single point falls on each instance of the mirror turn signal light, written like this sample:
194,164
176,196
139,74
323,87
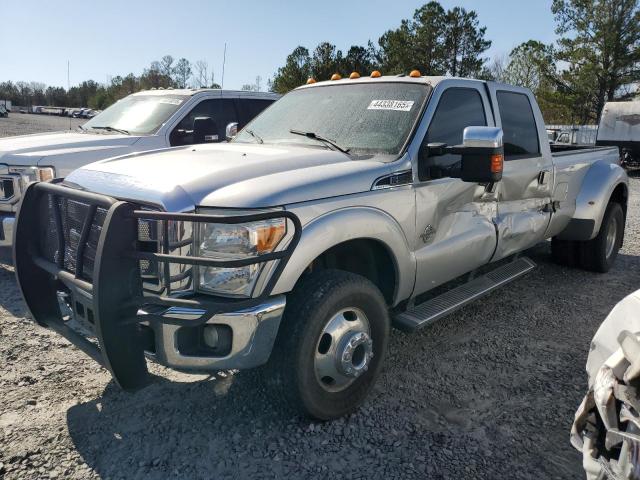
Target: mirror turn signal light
336,76
415,74
497,163
376,74
354,75
311,80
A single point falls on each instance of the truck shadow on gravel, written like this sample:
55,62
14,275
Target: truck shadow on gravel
214,428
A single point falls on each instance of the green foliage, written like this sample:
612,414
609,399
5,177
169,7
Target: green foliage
601,45
434,40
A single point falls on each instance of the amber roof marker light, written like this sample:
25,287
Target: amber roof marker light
311,80
336,76
354,75
376,74
415,74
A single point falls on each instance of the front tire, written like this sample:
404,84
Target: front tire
331,344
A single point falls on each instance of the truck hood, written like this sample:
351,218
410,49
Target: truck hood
229,175
43,149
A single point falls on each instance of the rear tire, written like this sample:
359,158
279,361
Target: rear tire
331,315
598,254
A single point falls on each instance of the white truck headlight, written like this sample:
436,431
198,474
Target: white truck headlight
33,174
234,242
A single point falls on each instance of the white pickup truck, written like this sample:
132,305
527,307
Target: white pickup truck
143,121
346,207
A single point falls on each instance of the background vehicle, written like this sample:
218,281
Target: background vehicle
607,424
3,112
584,135
344,208
6,104
620,127
147,120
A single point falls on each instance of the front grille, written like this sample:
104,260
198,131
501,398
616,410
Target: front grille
73,215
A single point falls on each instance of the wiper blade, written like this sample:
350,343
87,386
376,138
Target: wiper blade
82,128
111,129
320,138
254,135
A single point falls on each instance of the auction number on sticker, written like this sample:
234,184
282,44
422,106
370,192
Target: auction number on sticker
398,105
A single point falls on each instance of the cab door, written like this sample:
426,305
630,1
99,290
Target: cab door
454,219
524,194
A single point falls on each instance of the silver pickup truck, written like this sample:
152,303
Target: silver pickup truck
143,121
345,208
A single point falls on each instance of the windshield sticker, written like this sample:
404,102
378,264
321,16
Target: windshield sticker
397,105
171,101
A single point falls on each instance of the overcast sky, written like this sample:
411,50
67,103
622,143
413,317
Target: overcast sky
116,37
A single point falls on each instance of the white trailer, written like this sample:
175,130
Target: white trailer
620,127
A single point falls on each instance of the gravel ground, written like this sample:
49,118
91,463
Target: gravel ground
24,123
489,392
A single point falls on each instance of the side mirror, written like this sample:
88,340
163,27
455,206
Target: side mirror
231,131
482,153
204,130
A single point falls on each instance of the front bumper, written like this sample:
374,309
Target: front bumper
78,260
253,333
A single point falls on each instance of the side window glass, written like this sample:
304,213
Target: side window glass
220,111
249,108
519,126
458,108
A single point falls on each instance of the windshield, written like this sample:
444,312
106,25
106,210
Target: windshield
136,114
365,118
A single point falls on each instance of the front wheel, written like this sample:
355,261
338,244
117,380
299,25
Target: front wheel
331,344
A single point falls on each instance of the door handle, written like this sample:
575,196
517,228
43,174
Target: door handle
543,177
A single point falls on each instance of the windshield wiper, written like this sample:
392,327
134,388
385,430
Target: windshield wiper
111,129
320,138
254,135
82,128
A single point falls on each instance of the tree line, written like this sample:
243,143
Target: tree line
595,59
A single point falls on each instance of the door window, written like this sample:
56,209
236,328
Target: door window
458,108
249,108
518,126
220,110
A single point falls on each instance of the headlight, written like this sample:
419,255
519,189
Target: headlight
33,174
234,242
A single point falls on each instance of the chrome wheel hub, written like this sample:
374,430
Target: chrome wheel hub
344,350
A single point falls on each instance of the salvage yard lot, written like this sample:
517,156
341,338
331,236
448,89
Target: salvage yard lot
489,392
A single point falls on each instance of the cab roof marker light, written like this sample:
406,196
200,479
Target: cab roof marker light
354,75
376,74
415,74
311,80
336,76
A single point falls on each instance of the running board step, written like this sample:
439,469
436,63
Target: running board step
428,312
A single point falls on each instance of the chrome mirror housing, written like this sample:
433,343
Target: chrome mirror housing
231,131
482,137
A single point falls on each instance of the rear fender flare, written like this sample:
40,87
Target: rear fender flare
595,193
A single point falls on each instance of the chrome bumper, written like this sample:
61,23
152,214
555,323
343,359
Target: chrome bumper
6,235
254,332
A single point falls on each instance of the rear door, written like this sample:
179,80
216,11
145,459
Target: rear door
524,194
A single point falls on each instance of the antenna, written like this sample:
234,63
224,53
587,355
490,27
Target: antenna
68,88
224,60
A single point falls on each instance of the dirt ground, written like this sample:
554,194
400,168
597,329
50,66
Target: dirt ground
488,392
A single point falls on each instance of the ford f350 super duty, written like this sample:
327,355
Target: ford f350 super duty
345,208
144,121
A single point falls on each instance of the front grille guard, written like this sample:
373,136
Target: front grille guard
116,291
